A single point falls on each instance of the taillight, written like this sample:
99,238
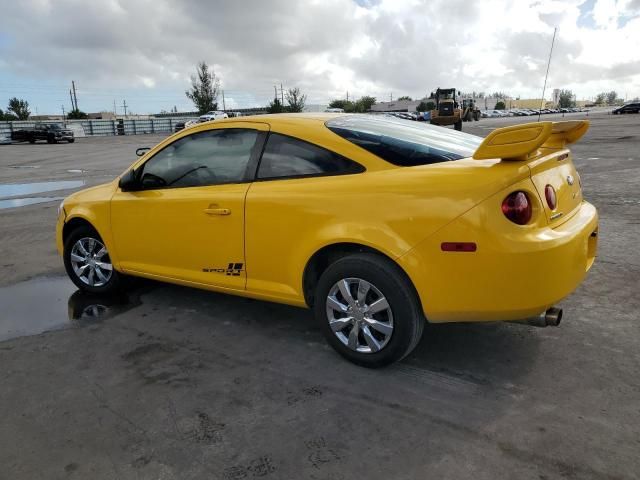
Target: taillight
550,195
517,208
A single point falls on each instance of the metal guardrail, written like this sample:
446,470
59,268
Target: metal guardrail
104,127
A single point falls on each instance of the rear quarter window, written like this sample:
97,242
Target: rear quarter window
287,157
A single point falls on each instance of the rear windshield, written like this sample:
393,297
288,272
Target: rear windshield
402,142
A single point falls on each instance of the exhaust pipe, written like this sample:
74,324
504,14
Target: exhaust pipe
550,318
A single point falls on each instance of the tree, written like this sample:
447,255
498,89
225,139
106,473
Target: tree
500,105
20,108
77,115
346,105
565,99
426,106
601,98
275,106
500,95
612,97
364,104
405,97
295,99
204,89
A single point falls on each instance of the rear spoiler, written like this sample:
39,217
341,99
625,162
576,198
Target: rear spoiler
519,142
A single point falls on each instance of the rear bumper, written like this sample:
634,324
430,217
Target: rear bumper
508,277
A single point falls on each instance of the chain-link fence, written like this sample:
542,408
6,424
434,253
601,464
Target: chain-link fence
85,128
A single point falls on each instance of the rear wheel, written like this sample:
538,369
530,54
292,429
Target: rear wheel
71,140
458,125
368,310
88,263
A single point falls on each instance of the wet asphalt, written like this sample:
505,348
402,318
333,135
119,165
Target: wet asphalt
171,382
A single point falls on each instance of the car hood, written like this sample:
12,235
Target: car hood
99,193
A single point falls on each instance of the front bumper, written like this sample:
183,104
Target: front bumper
509,277
59,226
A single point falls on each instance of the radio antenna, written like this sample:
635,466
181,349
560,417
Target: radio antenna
547,75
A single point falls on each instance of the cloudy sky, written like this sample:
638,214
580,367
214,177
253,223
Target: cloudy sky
143,51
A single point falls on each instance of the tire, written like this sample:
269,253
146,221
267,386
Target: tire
399,322
104,278
458,125
32,140
71,140
51,139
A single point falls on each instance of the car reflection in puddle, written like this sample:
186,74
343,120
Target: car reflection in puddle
52,303
90,307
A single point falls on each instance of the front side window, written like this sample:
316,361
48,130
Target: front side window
404,143
289,157
205,158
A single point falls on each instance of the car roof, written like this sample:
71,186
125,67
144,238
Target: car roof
285,118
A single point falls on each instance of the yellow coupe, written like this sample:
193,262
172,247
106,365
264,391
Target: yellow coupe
377,224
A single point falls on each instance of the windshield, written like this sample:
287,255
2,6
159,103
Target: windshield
404,143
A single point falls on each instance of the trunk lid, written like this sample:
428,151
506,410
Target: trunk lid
557,169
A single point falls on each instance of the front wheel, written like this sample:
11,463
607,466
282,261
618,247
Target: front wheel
368,310
88,263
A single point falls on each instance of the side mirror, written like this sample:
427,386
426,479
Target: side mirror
142,150
129,182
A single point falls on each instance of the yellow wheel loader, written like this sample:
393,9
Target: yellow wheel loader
447,111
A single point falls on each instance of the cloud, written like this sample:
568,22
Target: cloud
147,49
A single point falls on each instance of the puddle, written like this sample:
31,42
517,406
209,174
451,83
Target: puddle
18,189
24,166
22,202
52,303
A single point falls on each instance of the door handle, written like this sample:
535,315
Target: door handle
217,211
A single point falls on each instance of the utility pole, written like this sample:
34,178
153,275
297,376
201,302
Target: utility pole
347,95
75,98
281,94
275,93
124,106
63,115
71,97
114,108
224,105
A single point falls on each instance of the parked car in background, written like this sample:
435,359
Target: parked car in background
51,132
628,108
213,115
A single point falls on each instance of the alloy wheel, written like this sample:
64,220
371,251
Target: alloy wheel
90,262
359,315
